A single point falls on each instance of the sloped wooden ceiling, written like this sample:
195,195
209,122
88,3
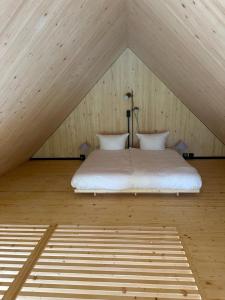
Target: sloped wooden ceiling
51,54
183,43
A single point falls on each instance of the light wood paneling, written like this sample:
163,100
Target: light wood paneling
39,192
51,54
103,110
183,42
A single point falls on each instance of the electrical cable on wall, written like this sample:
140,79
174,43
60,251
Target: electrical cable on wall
134,114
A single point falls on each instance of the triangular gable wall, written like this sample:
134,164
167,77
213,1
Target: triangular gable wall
103,110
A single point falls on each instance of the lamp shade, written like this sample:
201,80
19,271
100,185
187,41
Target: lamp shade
181,147
85,149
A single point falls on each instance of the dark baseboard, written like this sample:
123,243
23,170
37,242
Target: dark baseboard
56,158
80,158
205,157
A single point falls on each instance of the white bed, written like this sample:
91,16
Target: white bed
136,171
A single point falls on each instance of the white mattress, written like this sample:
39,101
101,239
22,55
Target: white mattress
136,169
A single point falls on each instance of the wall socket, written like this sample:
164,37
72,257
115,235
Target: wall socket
188,155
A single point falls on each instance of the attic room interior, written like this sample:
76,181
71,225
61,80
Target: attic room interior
112,149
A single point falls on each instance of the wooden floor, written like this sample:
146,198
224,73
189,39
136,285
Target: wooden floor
39,193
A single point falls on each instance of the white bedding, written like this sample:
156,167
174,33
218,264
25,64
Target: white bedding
136,169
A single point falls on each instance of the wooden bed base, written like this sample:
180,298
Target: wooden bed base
138,191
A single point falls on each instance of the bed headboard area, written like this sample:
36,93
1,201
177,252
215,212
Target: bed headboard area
103,110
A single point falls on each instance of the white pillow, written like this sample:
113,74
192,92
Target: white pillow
154,141
113,141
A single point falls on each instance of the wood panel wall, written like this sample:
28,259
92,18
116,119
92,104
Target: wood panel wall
103,110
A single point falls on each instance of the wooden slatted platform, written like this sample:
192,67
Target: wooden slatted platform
86,262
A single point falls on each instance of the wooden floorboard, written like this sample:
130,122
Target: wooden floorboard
39,192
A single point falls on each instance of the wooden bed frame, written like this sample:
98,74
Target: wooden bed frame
138,191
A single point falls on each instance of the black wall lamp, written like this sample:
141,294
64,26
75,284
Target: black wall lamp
130,113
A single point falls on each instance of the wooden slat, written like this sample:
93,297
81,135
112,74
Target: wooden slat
109,294
67,282
112,229
138,278
108,251
103,246
38,271
113,256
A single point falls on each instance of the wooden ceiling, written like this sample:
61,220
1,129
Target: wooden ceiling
183,43
53,52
